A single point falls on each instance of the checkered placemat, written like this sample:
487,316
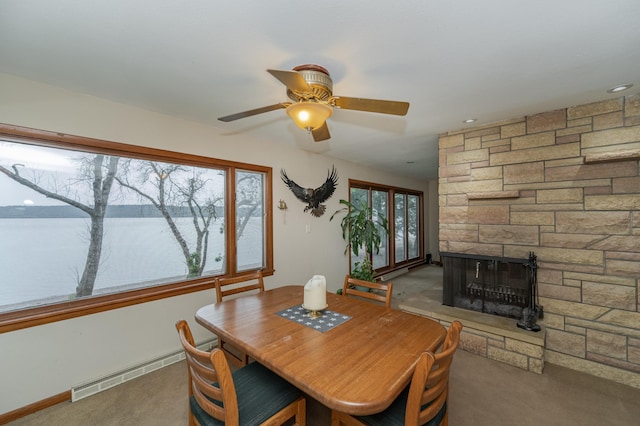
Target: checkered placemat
327,321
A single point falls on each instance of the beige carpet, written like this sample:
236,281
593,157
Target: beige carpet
482,392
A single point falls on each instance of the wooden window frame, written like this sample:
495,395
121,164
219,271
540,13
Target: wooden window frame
30,317
392,190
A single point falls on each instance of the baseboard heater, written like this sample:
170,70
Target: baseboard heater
114,379
393,274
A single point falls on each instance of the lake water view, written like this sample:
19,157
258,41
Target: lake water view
44,258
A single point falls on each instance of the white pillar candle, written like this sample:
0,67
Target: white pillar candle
315,293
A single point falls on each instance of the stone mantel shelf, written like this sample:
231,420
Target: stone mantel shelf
492,195
606,157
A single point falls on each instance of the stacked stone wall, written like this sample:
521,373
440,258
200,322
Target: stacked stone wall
566,185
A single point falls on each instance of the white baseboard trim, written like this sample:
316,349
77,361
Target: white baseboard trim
397,273
98,385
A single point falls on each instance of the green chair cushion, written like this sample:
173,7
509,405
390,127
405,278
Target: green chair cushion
394,415
261,393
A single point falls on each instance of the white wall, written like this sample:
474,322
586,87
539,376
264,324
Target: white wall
432,220
39,362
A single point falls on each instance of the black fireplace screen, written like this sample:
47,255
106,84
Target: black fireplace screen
495,285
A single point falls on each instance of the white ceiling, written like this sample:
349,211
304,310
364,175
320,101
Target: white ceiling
451,59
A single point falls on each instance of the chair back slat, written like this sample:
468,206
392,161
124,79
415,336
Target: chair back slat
430,383
228,286
432,410
210,379
380,292
213,395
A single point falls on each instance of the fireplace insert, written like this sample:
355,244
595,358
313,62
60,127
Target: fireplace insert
501,286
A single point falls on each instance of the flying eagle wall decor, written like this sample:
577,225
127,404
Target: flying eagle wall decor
313,197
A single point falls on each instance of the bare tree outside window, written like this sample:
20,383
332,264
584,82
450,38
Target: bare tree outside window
81,224
175,191
249,217
98,173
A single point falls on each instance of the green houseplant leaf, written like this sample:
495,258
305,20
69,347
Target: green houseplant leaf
362,229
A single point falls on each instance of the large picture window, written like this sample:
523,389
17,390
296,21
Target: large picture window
403,210
87,222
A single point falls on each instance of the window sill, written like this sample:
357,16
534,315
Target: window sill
16,320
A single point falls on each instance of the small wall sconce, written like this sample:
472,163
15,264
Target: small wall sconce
282,205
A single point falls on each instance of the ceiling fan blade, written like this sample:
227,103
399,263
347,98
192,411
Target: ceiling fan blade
372,105
321,133
251,112
292,79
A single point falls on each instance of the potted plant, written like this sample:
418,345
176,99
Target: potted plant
362,229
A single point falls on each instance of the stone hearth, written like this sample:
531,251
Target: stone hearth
490,336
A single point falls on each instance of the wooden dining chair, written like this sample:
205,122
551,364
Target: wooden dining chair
424,401
380,292
251,395
227,287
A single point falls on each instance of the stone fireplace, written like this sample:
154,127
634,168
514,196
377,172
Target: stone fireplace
565,184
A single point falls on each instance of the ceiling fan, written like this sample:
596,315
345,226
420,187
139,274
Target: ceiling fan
310,88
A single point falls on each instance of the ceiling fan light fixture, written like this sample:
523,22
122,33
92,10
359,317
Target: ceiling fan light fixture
309,115
310,88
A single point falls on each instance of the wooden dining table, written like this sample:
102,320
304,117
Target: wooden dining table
357,367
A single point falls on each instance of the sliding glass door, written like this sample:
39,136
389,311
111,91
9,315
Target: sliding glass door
403,210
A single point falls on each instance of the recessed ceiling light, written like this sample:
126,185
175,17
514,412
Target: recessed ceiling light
619,88
469,120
